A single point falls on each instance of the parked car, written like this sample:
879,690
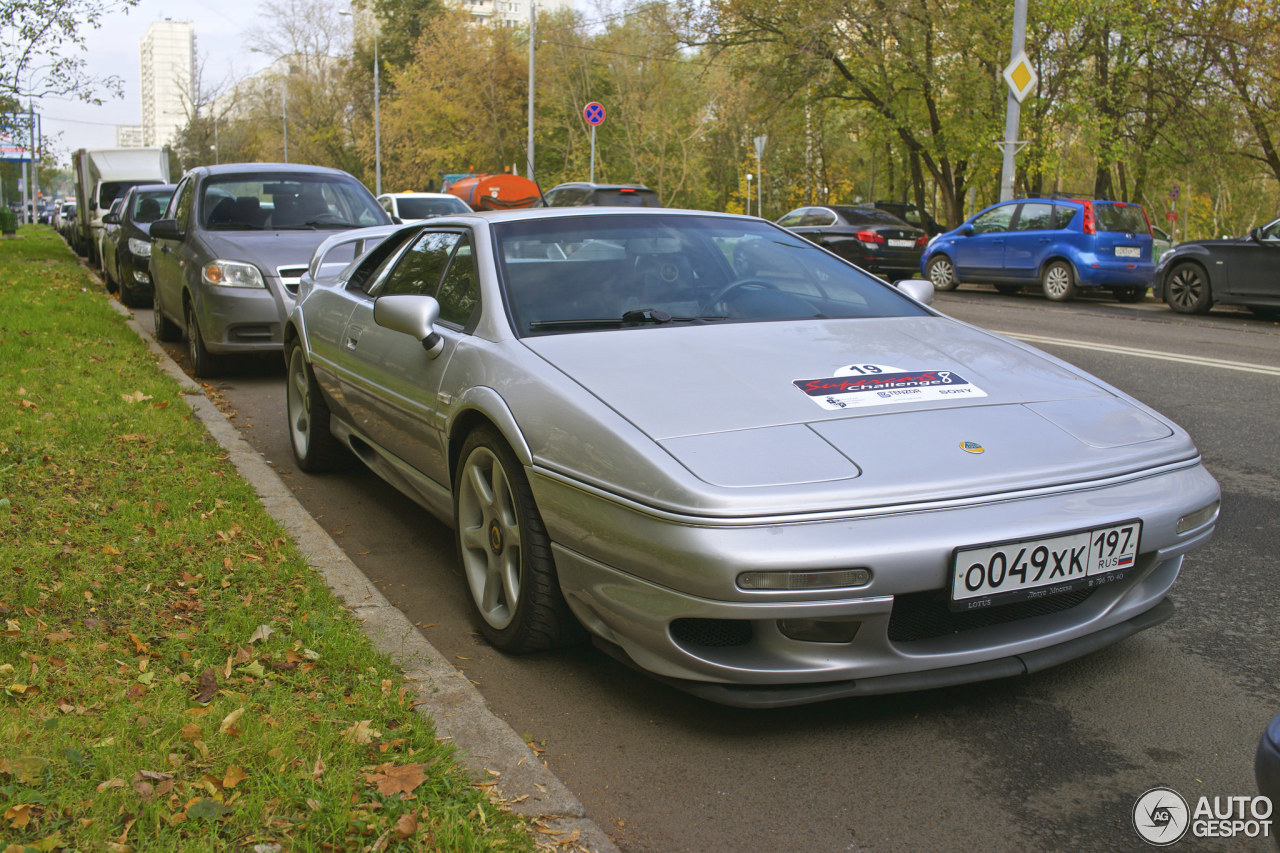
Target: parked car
1266,762
412,207
877,241
579,193
64,218
126,250
234,241
1058,245
108,230
1198,274
909,213
785,487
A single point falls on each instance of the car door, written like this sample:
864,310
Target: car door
1253,265
167,265
1028,240
981,254
392,382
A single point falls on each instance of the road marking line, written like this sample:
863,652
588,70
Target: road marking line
1242,366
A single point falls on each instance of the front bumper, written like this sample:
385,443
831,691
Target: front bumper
244,320
663,591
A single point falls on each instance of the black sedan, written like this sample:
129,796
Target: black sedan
126,251
877,241
1192,277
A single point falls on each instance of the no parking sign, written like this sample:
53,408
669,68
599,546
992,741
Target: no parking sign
593,113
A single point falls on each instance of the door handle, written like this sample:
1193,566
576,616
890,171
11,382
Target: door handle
353,336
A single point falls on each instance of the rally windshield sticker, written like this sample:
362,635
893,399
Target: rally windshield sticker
860,385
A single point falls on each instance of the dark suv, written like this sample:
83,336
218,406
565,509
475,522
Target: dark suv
613,195
1059,245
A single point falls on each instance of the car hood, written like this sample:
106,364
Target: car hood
905,408
268,250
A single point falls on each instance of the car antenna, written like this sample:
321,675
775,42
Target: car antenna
542,197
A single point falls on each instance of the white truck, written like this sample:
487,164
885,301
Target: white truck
100,176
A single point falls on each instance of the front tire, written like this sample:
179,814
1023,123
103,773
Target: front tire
505,551
1187,291
942,273
1058,281
204,364
314,447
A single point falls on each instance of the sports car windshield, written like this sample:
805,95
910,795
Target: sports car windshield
585,273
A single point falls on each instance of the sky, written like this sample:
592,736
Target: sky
220,27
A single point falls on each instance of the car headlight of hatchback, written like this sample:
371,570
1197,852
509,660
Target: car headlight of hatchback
140,248
231,274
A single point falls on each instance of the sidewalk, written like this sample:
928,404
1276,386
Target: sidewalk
487,746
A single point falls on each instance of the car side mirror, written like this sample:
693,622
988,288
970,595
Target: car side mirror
412,315
966,230
918,289
166,229
111,219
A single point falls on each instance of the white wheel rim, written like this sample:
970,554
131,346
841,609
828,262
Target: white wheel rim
298,403
1057,281
489,530
940,274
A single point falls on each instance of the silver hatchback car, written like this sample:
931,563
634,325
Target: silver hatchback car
736,460
235,240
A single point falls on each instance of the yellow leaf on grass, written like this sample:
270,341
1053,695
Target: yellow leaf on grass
407,825
111,783
228,724
18,816
191,732
396,778
135,397
361,732
234,776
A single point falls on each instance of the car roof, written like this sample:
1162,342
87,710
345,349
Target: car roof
525,213
254,168
418,195
587,185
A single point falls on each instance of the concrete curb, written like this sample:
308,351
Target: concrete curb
487,746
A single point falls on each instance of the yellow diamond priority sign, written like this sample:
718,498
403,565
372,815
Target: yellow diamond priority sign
1020,76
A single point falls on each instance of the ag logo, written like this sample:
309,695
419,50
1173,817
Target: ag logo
1161,816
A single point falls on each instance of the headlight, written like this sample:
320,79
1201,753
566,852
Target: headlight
140,248
231,274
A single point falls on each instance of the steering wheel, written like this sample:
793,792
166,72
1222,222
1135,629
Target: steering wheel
741,284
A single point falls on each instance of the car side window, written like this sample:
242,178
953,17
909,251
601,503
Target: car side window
1062,215
459,292
180,209
419,269
994,220
1035,217
818,216
792,219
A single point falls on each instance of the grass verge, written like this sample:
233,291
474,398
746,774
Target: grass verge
174,674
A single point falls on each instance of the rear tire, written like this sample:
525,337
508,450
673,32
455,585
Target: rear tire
505,551
204,364
314,447
1058,281
1186,289
166,330
942,273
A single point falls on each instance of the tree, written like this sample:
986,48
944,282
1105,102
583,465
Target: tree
36,39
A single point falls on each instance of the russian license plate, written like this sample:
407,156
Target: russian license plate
901,244
1128,252
1017,571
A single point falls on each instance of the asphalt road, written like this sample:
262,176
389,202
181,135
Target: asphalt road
1053,761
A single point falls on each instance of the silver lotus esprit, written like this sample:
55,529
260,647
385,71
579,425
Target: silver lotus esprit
737,461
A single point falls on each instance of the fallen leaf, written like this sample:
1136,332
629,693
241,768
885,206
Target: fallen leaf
135,397
111,783
208,686
191,732
262,633
361,732
318,770
234,776
207,809
396,778
18,816
406,826
29,768
228,724
255,669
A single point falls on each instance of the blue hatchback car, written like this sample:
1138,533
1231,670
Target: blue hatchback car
1058,245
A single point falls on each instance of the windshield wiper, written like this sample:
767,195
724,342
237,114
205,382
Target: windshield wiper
636,317
235,226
